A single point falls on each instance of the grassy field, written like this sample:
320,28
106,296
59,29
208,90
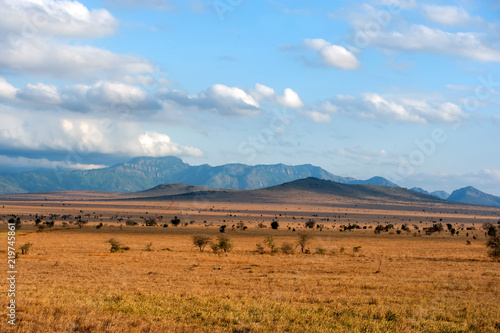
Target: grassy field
396,281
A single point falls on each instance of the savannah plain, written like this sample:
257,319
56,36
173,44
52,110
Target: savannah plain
401,280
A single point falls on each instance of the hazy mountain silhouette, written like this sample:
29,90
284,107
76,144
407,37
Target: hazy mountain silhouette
471,195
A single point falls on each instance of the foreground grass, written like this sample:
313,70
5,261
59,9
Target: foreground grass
71,283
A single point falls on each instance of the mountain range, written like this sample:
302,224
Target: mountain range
143,173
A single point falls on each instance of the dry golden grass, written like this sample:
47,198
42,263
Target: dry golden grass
70,282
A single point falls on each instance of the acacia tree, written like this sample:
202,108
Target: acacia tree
303,241
493,242
201,242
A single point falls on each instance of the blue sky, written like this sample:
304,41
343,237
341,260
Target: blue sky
408,90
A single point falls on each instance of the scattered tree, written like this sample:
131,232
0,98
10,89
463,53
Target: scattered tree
201,242
275,225
303,241
25,249
269,241
175,221
493,243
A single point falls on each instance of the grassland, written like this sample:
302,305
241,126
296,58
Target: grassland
396,281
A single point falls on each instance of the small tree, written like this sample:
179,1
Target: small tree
303,241
275,225
25,249
223,244
269,241
175,221
201,242
222,228
310,223
493,243
80,223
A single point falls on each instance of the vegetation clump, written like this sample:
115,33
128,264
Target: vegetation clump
222,245
201,242
116,246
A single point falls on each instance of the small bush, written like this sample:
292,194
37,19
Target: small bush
175,221
271,244
25,249
320,250
310,223
287,248
223,244
131,223
260,249
493,244
116,246
275,225
149,247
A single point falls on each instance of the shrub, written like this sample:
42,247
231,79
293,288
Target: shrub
303,241
310,223
493,244
175,221
275,225
80,223
222,228
260,248
25,249
149,247
287,248
151,222
201,242
131,223
269,241
320,250
116,246
223,244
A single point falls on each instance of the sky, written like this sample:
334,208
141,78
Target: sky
403,89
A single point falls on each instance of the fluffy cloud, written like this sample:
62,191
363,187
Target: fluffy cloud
40,93
233,100
29,19
400,109
83,135
31,40
7,91
67,61
332,55
290,99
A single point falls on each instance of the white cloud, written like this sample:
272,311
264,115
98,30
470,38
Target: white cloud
290,99
318,117
449,15
157,144
83,134
120,96
262,92
399,108
43,163
332,55
378,106
40,93
233,100
29,19
68,61
7,91
420,38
